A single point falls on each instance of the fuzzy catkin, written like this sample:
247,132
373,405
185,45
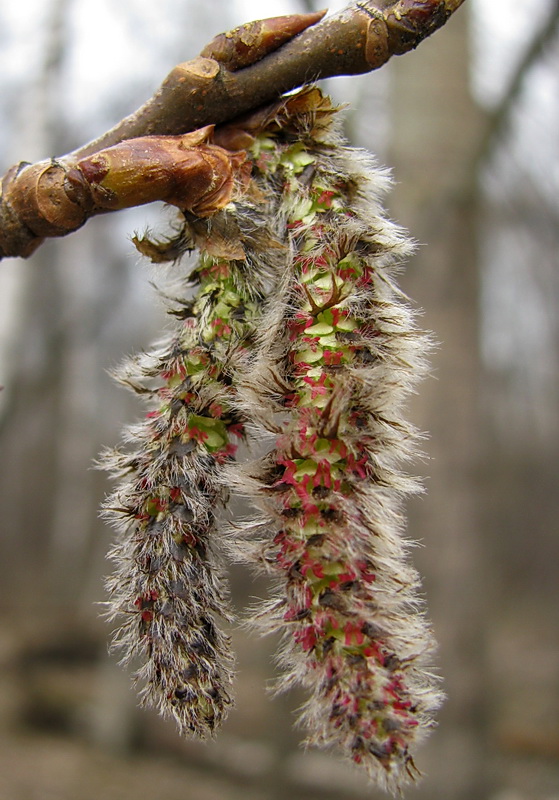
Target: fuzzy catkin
168,585
298,332
339,353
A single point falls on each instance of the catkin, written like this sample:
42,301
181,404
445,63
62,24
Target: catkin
338,354
168,585
298,335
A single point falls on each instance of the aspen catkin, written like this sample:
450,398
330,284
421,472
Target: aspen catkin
298,332
168,585
339,352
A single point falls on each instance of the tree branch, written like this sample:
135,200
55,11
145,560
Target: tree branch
207,90
237,72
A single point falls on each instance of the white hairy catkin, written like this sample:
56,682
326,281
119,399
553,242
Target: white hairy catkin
168,585
338,354
299,333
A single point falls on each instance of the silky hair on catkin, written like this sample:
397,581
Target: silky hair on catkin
290,330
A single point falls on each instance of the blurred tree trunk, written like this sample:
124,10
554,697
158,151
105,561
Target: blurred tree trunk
521,394
29,433
435,131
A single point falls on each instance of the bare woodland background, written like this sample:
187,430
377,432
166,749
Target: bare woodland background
470,125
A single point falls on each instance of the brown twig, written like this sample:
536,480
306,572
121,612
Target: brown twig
238,71
357,40
54,198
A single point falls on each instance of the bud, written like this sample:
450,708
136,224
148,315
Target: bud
249,43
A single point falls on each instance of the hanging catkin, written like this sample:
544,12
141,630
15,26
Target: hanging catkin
338,354
298,333
168,584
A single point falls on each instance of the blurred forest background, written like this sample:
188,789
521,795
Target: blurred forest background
470,125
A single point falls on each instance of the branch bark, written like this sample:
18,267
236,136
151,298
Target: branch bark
237,72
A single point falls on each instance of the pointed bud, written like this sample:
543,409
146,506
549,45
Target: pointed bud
249,43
